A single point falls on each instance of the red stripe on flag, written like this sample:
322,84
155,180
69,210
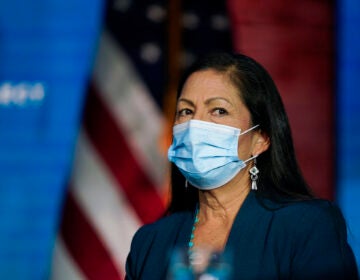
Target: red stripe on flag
111,144
84,245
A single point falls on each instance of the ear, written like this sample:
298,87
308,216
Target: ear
261,142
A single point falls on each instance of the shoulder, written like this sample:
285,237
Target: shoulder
298,212
311,224
165,222
164,225
315,212
303,219
314,234
151,244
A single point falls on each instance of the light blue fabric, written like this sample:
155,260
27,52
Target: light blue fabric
206,153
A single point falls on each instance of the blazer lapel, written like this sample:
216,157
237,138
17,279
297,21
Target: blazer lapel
246,240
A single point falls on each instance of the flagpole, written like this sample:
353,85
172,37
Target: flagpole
173,60
174,44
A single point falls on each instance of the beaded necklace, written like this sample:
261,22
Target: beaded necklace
199,261
191,241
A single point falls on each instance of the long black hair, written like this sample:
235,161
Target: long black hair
280,175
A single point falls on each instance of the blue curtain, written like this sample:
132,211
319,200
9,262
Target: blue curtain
348,116
46,53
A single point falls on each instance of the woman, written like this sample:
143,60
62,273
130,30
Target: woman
239,192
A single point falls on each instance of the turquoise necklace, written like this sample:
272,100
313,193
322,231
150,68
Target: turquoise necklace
191,241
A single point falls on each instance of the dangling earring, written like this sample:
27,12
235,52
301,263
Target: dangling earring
186,184
254,171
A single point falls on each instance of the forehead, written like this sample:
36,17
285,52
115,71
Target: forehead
210,83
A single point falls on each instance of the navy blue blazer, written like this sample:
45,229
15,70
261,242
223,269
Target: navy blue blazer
299,240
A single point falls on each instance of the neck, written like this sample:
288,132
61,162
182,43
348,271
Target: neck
222,204
215,216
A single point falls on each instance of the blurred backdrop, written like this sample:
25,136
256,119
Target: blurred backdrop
87,96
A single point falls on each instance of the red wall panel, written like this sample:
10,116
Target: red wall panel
294,41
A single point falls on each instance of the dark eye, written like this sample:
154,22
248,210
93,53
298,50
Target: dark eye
184,112
219,111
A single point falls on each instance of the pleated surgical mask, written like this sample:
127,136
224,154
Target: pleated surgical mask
206,153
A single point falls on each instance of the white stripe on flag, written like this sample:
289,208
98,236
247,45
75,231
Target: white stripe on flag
102,202
63,266
132,107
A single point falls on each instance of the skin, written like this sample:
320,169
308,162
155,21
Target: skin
210,96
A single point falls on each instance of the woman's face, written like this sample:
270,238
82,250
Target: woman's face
209,96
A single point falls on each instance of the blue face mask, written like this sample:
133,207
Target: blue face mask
206,153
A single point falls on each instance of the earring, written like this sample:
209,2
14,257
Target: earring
254,171
186,184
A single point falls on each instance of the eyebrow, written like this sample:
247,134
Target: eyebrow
208,101
186,101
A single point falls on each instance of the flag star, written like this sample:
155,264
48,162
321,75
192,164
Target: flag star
219,22
190,20
150,52
156,13
122,5
188,58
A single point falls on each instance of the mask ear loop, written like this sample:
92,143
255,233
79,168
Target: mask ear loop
249,129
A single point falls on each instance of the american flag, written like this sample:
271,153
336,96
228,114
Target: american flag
120,175
119,179
137,67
